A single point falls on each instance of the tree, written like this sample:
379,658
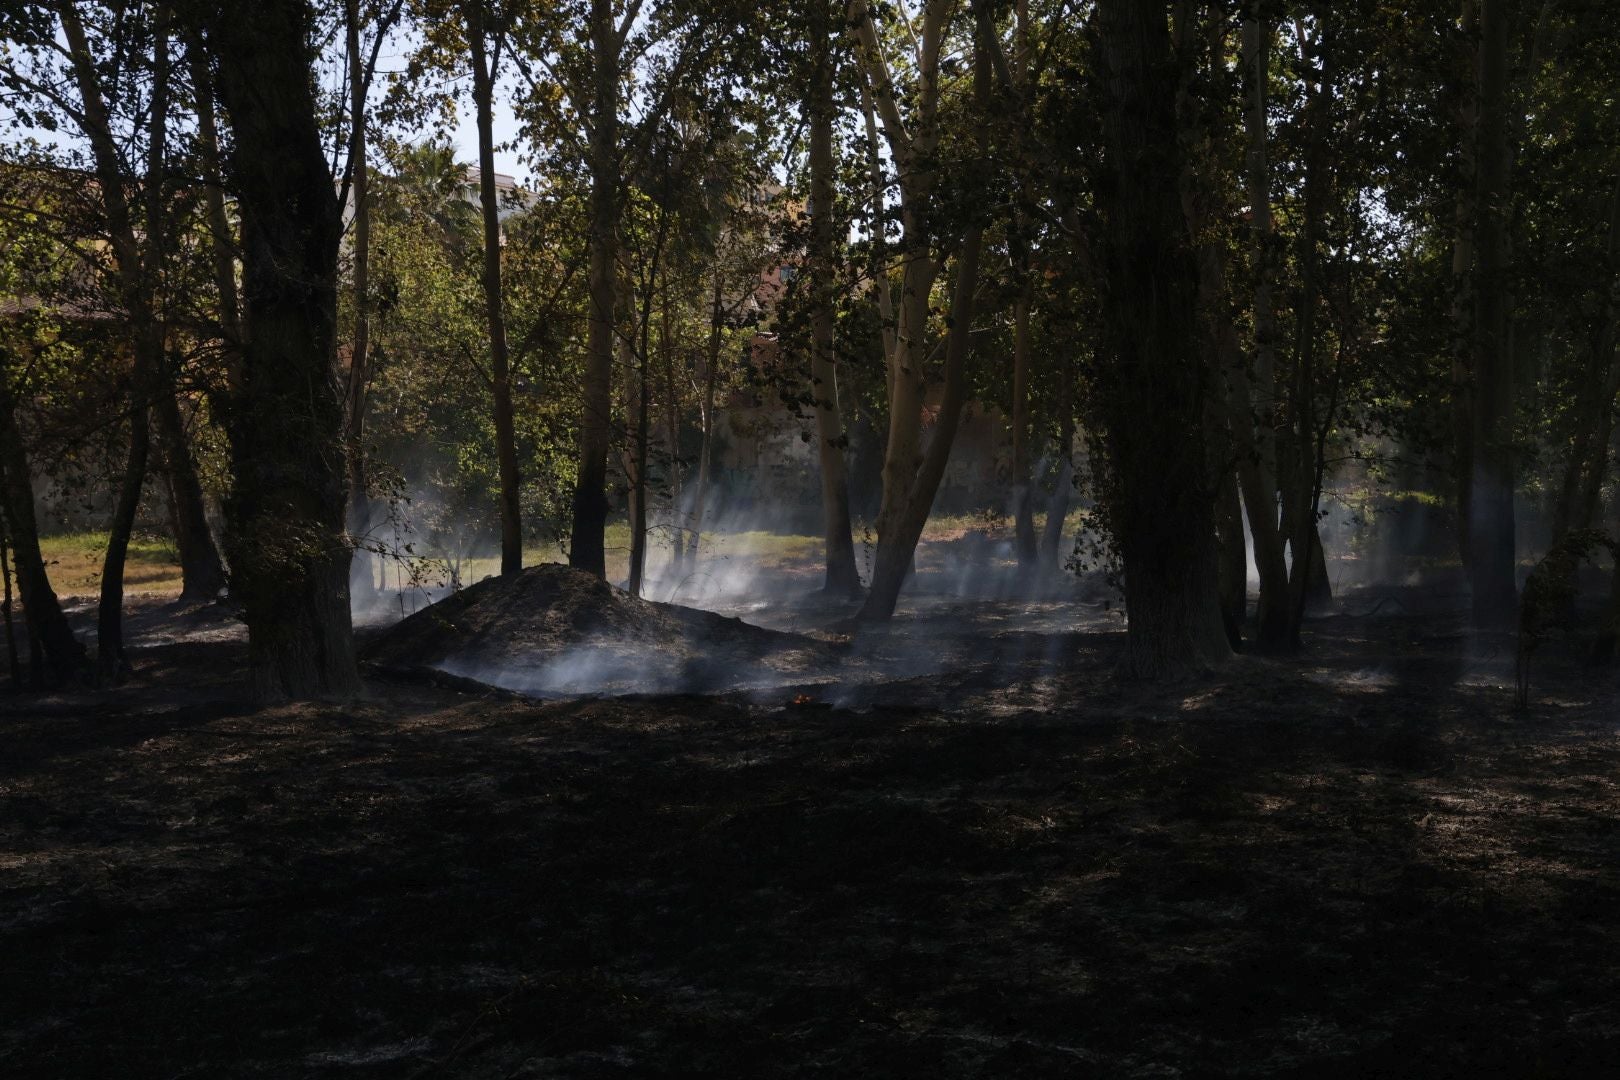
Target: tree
911,474
820,106
1491,543
288,548
486,42
1152,385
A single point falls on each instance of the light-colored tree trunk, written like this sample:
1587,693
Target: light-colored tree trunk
911,477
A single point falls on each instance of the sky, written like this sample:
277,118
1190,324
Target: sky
465,138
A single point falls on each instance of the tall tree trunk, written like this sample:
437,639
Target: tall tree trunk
202,574
1153,386
1255,402
1465,91
484,69
1492,562
639,400
1024,541
139,260
911,475
586,548
221,236
286,540
361,579
841,577
1057,510
913,149
111,661
711,378
672,437
50,636
896,553
1584,472
1308,581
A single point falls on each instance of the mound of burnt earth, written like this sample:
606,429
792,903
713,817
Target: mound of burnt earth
553,631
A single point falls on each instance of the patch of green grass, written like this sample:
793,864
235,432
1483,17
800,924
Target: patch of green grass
73,561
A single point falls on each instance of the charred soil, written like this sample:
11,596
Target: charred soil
1357,863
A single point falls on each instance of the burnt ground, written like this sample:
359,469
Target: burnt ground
1356,863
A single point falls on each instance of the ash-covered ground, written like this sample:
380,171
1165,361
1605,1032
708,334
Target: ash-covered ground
955,846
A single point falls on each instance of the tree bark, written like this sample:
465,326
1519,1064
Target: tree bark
202,573
138,263
1298,465
484,68
361,578
711,378
112,663
1584,472
842,577
221,236
286,540
1465,90
1057,510
50,636
1153,386
1025,545
586,548
912,148
1492,562
1255,401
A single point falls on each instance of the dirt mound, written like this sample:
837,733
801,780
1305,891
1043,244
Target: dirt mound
554,630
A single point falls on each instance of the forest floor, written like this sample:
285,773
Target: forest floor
989,858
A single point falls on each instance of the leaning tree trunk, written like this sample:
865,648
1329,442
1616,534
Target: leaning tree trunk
911,475
111,662
897,549
1492,563
48,630
202,574
842,577
286,541
138,261
587,545
1153,385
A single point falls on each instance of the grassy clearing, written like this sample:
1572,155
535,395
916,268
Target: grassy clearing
73,561
153,567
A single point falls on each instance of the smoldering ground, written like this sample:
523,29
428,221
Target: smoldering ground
1282,870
